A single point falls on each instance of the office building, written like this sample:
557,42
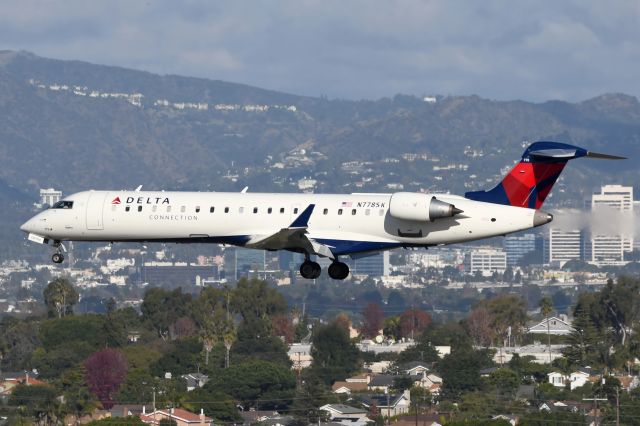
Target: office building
561,246
608,239
50,196
376,265
486,261
517,246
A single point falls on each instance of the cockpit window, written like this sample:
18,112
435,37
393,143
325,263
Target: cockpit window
63,205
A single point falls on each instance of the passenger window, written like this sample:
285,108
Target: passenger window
281,210
353,212
339,212
113,208
255,210
127,208
269,210
139,208
211,209
182,209
226,209
198,209
63,205
154,208
241,209
168,209
295,211
381,212
325,211
367,211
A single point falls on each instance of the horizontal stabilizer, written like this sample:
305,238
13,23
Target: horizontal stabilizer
604,156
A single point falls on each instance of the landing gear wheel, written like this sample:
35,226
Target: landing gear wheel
310,270
57,258
338,270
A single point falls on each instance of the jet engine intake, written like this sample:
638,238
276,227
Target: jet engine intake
420,207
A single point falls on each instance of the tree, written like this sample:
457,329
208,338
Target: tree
38,402
546,307
256,384
256,302
282,326
372,320
413,322
461,371
506,382
105,372
59,297
334,355
508,312
162,308
77,397
479,323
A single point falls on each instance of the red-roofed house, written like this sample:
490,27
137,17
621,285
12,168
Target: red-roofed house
8,383
180,416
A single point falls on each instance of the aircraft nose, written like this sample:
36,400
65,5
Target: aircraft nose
28,226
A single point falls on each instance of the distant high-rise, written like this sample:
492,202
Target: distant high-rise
50,196
249,260
562,245
609,247
376,265
516,246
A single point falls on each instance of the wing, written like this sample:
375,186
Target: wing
294,237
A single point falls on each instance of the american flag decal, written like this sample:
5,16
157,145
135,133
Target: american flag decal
116,200
346,204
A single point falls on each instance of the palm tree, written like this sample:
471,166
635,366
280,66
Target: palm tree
546,307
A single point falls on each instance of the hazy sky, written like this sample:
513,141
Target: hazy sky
531,50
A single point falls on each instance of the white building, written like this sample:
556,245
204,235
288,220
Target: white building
609,242
558,326
50,196
561,246
485,260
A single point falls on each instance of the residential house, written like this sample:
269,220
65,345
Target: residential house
180,416
382,382
348,387
423,420
8,381
415,368
360,378
558,326
119,410
388,405
557,379
511,419
251,417
195,380
578,378
628,383
340,413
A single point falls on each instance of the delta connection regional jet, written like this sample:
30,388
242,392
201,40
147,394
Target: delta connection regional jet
326,225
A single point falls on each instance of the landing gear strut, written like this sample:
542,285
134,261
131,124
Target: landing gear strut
338,270
57,257
310,270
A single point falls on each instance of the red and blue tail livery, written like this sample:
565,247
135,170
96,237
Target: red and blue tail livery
529,183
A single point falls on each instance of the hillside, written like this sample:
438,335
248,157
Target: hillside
75,125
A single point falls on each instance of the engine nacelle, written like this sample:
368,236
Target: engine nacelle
420,207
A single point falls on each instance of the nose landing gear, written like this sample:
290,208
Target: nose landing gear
57,257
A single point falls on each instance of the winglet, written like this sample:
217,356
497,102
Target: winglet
302,221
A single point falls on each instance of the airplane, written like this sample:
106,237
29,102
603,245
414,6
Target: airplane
326,225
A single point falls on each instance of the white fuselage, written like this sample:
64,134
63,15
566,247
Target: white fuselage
346,223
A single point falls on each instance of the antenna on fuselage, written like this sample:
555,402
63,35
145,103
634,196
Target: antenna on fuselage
244,190
138,188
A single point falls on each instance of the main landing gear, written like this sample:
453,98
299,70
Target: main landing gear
311,270
57,257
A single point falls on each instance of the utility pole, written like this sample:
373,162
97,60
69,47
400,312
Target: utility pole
617,406
388,408
595,412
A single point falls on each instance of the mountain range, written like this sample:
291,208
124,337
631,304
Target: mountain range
74,125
